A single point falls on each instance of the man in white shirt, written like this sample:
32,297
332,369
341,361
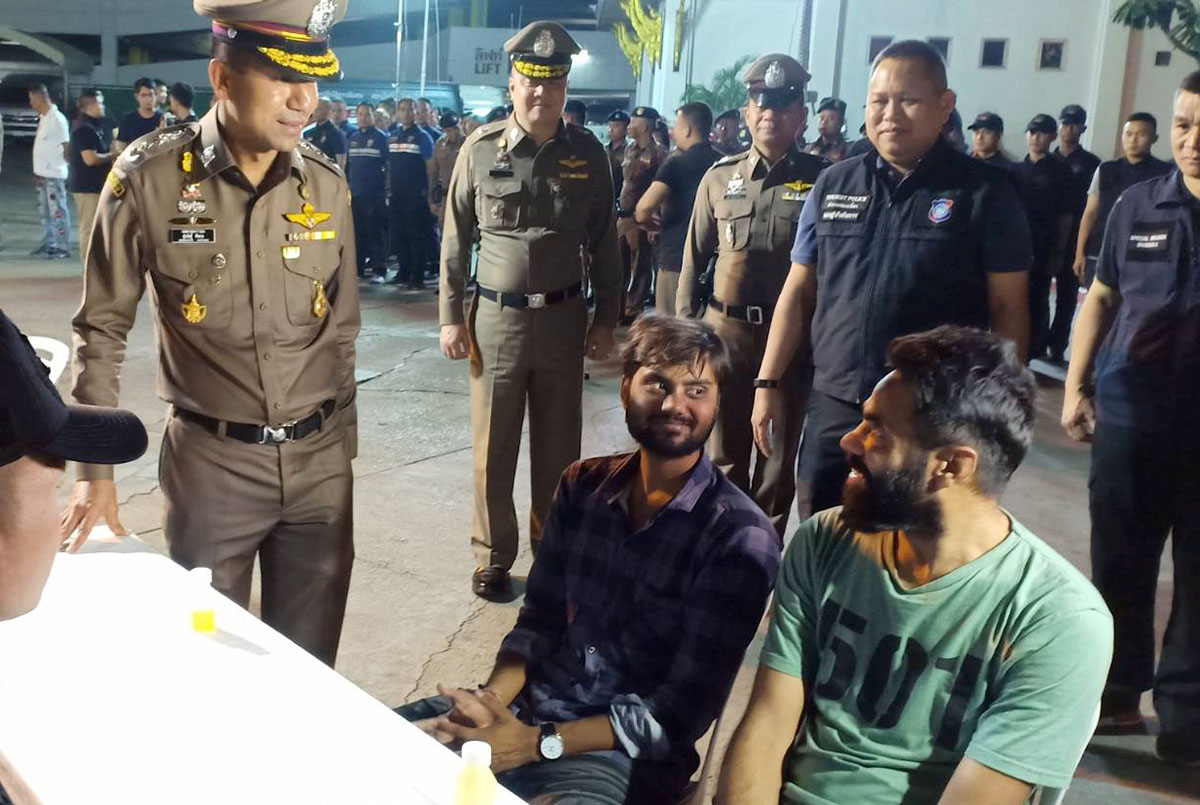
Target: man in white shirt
50,174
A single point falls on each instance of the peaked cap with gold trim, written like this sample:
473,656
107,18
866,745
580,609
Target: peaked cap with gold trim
542,49
292,35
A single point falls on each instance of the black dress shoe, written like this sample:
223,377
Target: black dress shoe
1180,749
1120,714
491,582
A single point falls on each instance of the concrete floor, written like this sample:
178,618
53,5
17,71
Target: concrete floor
412,621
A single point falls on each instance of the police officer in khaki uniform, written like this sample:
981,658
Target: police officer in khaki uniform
538,191
638,168
242,232
746,212
445,152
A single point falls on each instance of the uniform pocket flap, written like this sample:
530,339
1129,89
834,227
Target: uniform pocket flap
732,209
500,189
186,263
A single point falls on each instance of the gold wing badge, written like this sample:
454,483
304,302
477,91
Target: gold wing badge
308,217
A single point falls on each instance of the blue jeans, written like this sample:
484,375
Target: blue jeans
580,780
56,219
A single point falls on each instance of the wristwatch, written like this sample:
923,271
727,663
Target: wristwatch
550,745
764,383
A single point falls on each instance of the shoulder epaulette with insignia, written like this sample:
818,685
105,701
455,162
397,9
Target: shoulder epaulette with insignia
314,153
732,158
163,141
487,129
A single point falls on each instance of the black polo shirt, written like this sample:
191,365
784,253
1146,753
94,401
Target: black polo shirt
1148,369
898,256
681,173
328,137
133,125
1081,165
88,134
1046,191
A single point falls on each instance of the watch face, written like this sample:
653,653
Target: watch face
551,747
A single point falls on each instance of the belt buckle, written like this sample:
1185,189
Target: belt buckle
277,435
536,300
754,314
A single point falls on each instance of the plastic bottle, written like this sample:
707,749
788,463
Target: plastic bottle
476,783
204,620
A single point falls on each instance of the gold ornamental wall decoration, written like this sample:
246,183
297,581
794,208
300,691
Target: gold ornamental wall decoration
646,38
680,20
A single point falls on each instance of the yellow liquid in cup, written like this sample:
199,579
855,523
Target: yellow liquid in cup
204,620
476,786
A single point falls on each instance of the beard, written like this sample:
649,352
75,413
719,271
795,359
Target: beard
656,434
890,500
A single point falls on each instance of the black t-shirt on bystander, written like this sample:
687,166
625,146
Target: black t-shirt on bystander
88,134
681,173
133,125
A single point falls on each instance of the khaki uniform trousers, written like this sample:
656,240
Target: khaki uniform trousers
521,355
291,504
665,288
636,258
773,482
85,206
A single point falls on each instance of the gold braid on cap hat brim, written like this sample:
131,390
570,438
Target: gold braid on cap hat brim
531,70
322,66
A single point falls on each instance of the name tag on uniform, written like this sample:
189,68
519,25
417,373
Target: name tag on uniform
502,172
193,235
843,207
1149,242
573,175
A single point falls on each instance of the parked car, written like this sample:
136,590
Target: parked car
20,121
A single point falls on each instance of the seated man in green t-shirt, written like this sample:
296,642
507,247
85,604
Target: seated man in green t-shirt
937,651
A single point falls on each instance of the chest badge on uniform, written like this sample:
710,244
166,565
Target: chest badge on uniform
190,201
940,210
291,252
193,311
572,163
208,155
308,217
503,164
736,188
796,191
320,305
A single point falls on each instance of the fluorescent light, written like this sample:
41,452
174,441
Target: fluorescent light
582,57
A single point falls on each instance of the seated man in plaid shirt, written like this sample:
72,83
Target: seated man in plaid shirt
650,581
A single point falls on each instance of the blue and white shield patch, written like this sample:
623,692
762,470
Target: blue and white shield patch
940,210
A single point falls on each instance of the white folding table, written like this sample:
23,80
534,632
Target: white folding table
107,695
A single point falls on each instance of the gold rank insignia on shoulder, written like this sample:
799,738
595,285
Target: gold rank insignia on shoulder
572,163
115,185
308,217
193,311
320,301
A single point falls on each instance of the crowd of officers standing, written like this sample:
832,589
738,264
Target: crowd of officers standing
817,260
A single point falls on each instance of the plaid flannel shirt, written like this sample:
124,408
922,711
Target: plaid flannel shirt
648,626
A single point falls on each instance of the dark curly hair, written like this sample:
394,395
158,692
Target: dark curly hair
971,388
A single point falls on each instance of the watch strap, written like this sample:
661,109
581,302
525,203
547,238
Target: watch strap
765,383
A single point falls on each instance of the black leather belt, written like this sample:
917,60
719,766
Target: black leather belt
292,431
755,314
531,300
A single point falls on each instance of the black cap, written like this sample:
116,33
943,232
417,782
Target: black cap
836,104
1043,124
648,112
33,417
988,120
1072,114
728,114
497,113
448,121
619,116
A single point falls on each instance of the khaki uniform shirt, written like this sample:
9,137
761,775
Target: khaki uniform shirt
639,168
746,213
440,169
534,209
254,290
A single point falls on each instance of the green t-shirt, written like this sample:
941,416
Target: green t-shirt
1002,660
